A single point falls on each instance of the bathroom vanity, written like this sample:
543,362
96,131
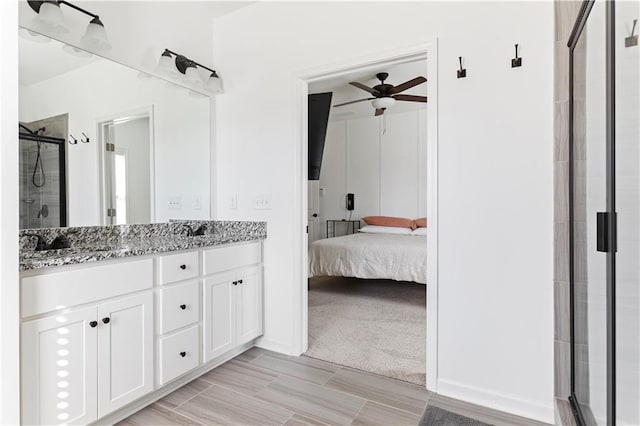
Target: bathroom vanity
130,313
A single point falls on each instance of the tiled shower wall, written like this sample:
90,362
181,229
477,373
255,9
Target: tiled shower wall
565,15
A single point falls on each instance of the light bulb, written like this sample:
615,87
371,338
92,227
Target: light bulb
95,38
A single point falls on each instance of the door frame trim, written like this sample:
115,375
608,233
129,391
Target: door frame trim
302,79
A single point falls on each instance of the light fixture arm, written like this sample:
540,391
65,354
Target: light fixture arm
35,5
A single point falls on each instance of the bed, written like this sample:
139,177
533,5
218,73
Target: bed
370,255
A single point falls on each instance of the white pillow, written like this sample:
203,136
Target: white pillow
374,229
419,231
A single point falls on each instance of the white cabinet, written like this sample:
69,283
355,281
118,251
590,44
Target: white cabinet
125,351
219,308
249,304
233,310
59,368
83,364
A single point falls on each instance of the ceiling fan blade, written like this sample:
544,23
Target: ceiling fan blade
379,111
353,102
410,98
365,88
407,85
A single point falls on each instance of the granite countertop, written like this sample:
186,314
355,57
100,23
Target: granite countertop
93,244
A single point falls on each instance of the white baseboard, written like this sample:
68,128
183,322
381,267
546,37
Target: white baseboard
528,408
275,346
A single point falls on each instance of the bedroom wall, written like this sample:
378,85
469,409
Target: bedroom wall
384,165
495,343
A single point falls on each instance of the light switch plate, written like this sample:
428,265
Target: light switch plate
197,202
233,201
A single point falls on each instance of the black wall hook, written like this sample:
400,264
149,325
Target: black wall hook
74,142
462,72
517,61
85,139
632,40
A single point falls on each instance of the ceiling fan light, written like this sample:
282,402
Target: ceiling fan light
382,103
50,16
96,37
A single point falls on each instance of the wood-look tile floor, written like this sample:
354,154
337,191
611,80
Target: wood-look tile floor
260,387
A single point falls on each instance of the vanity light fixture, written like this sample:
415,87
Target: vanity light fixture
167,65
50,16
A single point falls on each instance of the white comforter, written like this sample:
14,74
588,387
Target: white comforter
361,255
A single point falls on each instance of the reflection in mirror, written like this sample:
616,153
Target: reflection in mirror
104,145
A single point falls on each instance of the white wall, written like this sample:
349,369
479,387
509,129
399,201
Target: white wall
9,295
379,163
495,171
181,135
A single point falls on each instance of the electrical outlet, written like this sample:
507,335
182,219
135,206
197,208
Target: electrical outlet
175,203
233,201
262,202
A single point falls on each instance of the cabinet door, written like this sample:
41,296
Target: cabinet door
219,314
125,351
249,304
59,377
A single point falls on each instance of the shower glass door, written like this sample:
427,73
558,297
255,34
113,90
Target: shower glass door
605,213
42,182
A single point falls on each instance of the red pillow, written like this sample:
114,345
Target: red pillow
421,222
398,222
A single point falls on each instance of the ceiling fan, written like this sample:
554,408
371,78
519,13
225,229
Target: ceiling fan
386,95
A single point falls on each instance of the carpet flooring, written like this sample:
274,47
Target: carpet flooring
377,326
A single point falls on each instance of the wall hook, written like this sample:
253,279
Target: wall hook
85,139
632,40
517,61
462,72
74,142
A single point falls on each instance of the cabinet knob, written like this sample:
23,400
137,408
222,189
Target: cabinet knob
106,320
183,267
315,215
235,283
93,324
239,281
183,354
183,307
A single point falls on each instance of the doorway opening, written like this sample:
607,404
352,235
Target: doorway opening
322,296
126,163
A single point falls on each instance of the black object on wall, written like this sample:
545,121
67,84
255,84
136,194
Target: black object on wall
318,111
350,201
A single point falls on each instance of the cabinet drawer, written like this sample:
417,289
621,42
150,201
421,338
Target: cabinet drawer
178,267
179,306
230,257
178,354
59,290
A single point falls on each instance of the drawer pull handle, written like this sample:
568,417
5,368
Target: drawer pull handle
183,354
235,283
239,281
183,267
183,307
93,324
106,320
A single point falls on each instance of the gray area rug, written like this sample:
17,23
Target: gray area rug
434,416
377,326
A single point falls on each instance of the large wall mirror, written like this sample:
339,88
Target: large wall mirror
103,144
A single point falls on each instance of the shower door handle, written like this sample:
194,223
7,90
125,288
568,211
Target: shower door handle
602,231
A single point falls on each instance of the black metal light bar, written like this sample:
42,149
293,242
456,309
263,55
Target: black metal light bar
35,5
182,62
